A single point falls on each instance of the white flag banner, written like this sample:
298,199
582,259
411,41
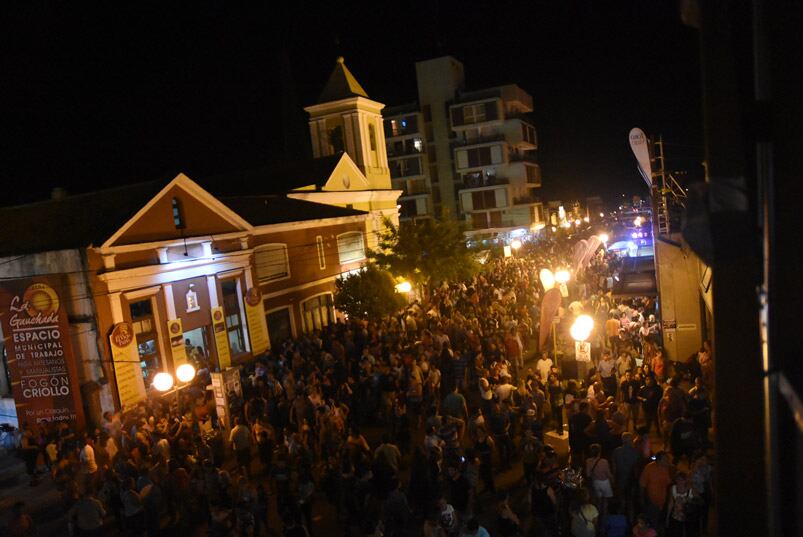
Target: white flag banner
641,149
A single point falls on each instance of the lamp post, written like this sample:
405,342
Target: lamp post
164,381
581,331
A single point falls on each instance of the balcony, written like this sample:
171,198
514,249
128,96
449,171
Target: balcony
527,156
470,182
479,140
526,200
404,152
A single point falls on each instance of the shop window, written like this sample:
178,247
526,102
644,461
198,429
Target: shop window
196,343
350,247
234,319
271,262
280,328
142,320
318,312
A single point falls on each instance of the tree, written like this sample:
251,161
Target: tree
428,252
370,293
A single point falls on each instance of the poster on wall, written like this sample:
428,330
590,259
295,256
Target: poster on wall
127,371
257,326
177,345
44,375
221,338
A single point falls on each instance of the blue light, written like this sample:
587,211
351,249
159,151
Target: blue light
404,123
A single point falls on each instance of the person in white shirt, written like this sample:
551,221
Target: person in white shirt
505,390
88,464
544,366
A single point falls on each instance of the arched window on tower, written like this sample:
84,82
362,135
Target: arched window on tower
336,139
372,141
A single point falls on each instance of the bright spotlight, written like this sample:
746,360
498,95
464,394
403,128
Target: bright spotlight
404,287
163,381
185,372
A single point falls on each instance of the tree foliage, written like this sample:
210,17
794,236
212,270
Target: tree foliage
427,252
370,293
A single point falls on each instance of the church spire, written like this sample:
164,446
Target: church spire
341,84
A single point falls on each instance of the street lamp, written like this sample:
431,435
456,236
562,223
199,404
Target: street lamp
603,238
562,276
547,279
581,329
163,381
404,287
516,244
185,372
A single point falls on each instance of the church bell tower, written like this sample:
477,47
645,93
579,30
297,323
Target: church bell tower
345,119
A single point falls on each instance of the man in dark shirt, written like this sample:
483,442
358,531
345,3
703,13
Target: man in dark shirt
499,422
630,391
578,439
650,396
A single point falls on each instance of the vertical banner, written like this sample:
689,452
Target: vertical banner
550,305
177,347
257,325
127,371
221,338
641,149
44,375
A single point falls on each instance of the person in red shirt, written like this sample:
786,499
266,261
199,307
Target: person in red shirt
655,480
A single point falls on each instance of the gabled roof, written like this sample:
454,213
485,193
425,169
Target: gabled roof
275,178
277,209
72,222
341,85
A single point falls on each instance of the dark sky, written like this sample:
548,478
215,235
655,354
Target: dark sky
98,96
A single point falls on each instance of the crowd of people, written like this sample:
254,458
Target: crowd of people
413,424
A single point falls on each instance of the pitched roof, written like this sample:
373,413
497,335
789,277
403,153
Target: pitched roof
277,209
275,178
341,84
71,222
90,219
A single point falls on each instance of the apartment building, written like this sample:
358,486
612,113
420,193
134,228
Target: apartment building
469,154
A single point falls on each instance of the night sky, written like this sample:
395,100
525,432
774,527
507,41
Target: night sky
94,97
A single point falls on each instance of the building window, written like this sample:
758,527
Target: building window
271,262
350,247
528,133
178,214
231,311
479,156
484,199
474,113
318,312
405,167
321,252
144,325
532,175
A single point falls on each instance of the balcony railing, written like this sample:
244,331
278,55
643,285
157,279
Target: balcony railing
404,152
479,140
526,200
528,156
479,182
